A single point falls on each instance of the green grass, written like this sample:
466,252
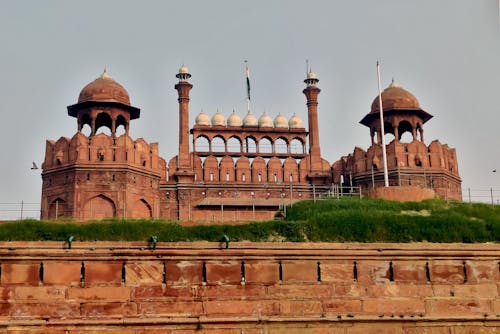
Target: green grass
332,220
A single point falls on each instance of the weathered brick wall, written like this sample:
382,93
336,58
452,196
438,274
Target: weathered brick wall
249,288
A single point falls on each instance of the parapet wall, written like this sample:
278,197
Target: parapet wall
251,288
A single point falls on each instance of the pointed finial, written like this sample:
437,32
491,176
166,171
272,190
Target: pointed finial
105,74
393,84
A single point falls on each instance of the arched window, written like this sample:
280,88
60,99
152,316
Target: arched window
405,132
201,144
234,144
120,125
296,146
218,144
103,124
250,145
265,145
281,145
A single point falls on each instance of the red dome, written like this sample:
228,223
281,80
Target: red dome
106,89
396,98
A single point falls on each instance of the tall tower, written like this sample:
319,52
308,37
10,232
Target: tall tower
101,175
311,92
184,172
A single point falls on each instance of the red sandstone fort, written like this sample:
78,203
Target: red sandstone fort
234,168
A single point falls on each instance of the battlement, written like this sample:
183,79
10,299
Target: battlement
250,287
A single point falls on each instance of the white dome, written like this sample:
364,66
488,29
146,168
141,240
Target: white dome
218,119
250,120
280,121
265,121
202,119
234,120
183,69
295,122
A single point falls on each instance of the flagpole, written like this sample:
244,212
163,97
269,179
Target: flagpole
382,131
247,74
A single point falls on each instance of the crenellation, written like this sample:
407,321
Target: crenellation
174,293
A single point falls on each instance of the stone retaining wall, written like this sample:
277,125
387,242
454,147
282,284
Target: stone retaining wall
251,288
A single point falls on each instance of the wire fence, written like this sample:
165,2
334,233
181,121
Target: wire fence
26,210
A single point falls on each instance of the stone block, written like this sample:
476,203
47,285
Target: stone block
478,329
427,330
482,271
148,292
242,308
44,310
300,307
337,271
342,306
261,272
103,273
399,290
396,306
297,291
110,293
115,309
223,272
225,292
349,290
62,273
184,272
409,272
448,272
5,309
20,273
466,290
171,308
371,272
454,307
367,328
305,329
39,293
144,273
300,271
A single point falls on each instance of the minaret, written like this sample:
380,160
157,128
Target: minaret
311,92
183,87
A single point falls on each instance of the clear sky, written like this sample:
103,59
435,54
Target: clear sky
446,52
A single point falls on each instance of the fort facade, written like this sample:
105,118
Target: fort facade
229,169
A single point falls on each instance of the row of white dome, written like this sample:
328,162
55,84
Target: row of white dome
234,119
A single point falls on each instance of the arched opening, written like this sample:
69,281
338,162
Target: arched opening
265,145
99,207
86,130
218,144
250,145
405,131
58,208
281,146
85,125
202,144
103,124
120,126
234,144
141,209
296,146
389,137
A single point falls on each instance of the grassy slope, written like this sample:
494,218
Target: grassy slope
366,220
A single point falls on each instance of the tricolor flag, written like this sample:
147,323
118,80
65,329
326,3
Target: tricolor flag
247,71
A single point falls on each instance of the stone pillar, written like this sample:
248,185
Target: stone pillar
184,172
311,92
183,87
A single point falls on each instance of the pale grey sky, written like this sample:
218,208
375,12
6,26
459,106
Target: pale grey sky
446,52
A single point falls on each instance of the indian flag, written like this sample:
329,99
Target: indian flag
247,71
